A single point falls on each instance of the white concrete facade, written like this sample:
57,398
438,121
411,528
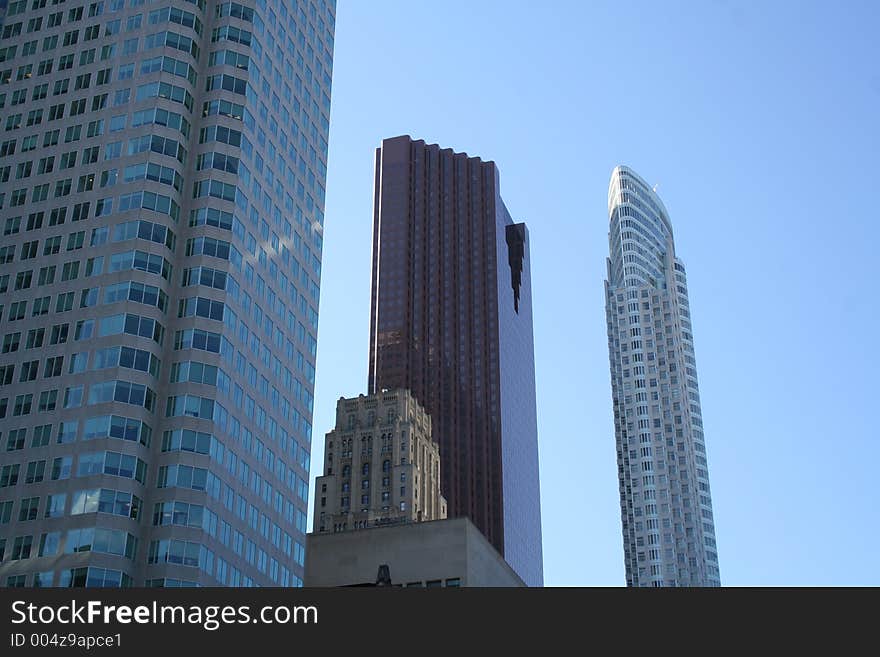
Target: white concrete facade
666,507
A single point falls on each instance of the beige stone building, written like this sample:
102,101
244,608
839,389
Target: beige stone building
381,465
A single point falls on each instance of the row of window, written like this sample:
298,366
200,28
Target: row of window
142,261
110,357
59,333
99,393
135,200
133,430
176,475
107,178
116,464
90,500
74,577
139,359
87,539
142,293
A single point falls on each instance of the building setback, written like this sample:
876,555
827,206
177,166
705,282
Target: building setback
163,171
451,320
665,502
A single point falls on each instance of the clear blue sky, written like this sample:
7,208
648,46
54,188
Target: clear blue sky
759,122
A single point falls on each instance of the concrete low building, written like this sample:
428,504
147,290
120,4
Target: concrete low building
439,553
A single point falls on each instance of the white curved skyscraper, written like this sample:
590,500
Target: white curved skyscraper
666,507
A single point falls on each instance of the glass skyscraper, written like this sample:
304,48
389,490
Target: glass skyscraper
451,320
162,172
665,502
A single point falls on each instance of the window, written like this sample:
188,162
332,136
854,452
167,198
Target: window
9,475
52,245
22,405
201,307
133,291
61,468
118,122
75,240
60,332
133,325
28,509
122,391
21,548
194,372
112,463
185,476
67,432
121,97
94,266
15,439
23,279
190,405
142,261
165,90
11,342
29,371
141,229
35,338
105,500
48,401
197,339
115,426
55,504
12,226
73,397
64,302
35,472
99,539
53,366
49,544
70,270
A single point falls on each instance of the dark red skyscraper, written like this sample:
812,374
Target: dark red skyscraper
451,319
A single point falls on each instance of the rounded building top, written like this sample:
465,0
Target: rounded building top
624,173
640,232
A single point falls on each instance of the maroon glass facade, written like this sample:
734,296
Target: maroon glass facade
451,320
